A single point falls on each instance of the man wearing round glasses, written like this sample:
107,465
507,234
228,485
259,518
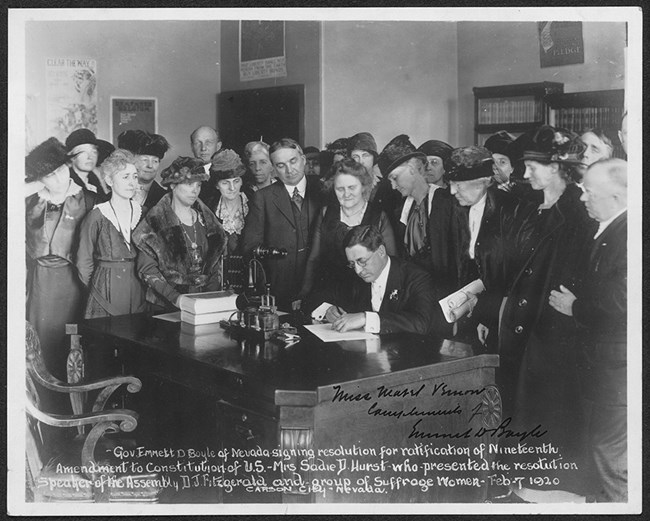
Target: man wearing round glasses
395,295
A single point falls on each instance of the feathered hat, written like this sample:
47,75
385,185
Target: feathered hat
140,142
397,151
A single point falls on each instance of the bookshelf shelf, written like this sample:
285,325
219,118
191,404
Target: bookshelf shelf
515,108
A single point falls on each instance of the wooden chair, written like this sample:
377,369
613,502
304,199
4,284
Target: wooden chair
68,471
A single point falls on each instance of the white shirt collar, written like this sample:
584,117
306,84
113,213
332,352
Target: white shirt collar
404,217
383,276
480,205
603,225
206,167
302,186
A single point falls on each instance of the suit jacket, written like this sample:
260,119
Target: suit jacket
409,304
270,222
601,314
440,255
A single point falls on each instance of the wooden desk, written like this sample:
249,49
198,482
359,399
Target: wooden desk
292,397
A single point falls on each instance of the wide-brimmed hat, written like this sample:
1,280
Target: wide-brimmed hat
104,149
397,151
184,170
554,145
139,142
45,159
226,164
437,148
81,136
498,143
363,141
469,163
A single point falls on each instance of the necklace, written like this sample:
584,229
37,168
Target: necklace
119,224
348,218
193,244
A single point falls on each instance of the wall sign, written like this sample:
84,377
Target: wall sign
71,85
261,50
560,43
133,114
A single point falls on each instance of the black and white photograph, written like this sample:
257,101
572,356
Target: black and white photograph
324,261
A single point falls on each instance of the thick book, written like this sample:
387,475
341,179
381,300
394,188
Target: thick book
206,318
209,302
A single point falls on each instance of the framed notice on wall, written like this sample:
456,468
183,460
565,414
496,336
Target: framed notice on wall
560,43
133,114
261,50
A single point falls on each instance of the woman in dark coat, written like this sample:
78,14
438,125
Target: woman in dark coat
53,218
327,262
537,344
229,203
106,255
180,241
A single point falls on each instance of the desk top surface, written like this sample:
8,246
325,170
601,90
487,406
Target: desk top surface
305,367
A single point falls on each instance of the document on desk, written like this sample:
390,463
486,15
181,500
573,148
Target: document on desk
327,334
174,316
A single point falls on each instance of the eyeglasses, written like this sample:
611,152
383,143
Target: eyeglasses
361,262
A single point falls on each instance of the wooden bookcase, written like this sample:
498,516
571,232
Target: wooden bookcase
579,111
515,108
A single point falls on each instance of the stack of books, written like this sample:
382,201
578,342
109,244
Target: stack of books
207,308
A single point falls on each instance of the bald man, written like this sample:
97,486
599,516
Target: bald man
600,307
205,144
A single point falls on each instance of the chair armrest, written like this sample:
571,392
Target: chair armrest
124,419
133,384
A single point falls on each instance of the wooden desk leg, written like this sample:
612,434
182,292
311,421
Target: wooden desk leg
296,441
75,370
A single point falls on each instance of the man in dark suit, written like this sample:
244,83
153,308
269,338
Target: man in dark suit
283,215
390,295
600,307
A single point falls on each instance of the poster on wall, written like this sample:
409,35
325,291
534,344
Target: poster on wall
261,50
133,114
560,43
71,86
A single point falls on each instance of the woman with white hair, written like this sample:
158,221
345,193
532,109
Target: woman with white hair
106,255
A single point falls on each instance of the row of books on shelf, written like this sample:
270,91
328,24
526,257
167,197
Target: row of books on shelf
497,111
579,119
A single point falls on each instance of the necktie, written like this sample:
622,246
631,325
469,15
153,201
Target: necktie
416,232
296,198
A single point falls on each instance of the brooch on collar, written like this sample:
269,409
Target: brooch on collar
394,295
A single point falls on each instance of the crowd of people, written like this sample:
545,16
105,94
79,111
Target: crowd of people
373,240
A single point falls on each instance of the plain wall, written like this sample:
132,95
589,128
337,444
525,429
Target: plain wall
390,78
302,51
176,62
500,53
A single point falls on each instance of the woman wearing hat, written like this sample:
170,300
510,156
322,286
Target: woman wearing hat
149,150
229,204
437,153
327,262
482,217
53,217
106,255
85,153
180,240
537,345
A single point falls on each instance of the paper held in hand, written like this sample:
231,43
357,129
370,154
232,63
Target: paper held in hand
208,302
461,302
